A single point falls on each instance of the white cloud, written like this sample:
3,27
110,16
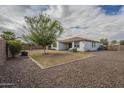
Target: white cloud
12,17
92,22
99,25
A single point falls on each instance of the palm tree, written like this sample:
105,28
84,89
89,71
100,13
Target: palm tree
8,35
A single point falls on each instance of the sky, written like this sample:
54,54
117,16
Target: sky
92,22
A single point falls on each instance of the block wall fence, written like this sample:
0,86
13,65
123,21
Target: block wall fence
2,51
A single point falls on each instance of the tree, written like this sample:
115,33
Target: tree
104,41
8,35
42,30
114,42
122,42
14,47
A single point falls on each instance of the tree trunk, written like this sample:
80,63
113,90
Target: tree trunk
44,49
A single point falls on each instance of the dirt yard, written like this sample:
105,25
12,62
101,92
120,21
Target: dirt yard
54,58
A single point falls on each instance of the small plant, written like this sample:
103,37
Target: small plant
14,47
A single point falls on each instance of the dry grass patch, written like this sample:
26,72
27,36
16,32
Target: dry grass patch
54,57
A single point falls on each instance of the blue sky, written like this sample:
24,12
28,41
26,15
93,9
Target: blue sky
93,22
111,9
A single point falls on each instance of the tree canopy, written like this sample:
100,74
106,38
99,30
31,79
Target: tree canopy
8,35
42,30
104,41
122,42
114,42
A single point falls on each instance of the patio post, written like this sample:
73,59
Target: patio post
72,44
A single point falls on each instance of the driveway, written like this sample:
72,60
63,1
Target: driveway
105,69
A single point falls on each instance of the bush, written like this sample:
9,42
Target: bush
14,47
122,42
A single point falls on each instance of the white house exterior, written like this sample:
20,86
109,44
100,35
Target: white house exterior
81,44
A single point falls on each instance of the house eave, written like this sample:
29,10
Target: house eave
76,39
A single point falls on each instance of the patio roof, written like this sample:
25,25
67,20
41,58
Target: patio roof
74,39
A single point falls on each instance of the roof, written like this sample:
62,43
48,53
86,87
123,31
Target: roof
73,39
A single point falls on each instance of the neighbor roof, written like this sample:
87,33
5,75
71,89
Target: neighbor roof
72,39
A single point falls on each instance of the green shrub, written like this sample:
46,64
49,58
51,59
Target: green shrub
122,42
14,47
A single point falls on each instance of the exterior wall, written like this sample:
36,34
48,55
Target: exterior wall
81,46
2,51
88,46
61,46
52,47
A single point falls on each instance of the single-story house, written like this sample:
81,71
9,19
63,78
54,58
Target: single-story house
79,43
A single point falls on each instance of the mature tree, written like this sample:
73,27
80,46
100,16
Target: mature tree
8,35
122,42
104,41
43,30
114,42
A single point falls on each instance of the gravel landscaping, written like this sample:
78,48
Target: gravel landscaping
105,69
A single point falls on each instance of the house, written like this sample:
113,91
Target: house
78,43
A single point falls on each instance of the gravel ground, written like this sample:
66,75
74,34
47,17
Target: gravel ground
106,69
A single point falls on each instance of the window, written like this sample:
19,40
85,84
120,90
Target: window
93,44
70,45
76,44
